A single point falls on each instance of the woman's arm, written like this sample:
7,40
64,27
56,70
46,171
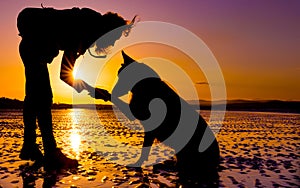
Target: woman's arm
66,70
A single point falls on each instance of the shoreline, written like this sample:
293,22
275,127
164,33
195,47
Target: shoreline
278,106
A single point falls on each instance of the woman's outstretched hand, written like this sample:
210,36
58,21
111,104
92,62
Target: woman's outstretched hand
98,93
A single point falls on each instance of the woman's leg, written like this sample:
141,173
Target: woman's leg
37,103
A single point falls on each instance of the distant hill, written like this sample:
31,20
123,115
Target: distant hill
264,106
231,105
253,105
6,103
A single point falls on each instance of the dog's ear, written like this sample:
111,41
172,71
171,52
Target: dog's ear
126,58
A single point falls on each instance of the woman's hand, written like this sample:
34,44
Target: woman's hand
98,93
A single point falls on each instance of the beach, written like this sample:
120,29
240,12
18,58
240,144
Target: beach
258,149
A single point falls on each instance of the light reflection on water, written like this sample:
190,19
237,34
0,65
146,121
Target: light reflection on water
80,130
75,142
75,138
103,133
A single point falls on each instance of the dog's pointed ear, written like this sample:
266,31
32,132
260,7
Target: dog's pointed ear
126,58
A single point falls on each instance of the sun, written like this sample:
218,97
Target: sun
74,74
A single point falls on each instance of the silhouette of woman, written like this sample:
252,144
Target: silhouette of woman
44,32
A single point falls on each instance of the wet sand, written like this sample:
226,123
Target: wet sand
257,150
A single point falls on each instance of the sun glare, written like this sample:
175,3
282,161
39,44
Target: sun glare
74,73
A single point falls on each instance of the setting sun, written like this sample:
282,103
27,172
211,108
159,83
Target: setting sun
76,73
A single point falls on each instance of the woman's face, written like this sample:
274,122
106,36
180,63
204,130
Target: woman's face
105,43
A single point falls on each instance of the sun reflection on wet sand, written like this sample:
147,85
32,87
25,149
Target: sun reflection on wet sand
75,137
257,150
75,140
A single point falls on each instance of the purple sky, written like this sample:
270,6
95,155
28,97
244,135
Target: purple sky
256,42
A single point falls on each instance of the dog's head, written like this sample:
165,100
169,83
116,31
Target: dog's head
126,61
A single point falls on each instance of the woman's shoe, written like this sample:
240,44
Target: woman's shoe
57,160
31,152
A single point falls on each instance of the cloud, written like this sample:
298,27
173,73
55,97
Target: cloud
201,83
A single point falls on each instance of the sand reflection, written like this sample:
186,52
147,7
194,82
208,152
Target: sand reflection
75,140
75,137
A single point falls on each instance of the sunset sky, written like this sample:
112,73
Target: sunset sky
256,43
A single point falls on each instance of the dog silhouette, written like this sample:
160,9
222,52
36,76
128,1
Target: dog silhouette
146,86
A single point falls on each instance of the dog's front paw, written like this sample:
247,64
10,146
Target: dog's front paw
137,164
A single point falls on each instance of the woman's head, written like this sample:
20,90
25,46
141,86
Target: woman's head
118,25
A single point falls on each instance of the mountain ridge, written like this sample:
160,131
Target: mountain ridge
231,105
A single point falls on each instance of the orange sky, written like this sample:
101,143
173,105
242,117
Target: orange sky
255,43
